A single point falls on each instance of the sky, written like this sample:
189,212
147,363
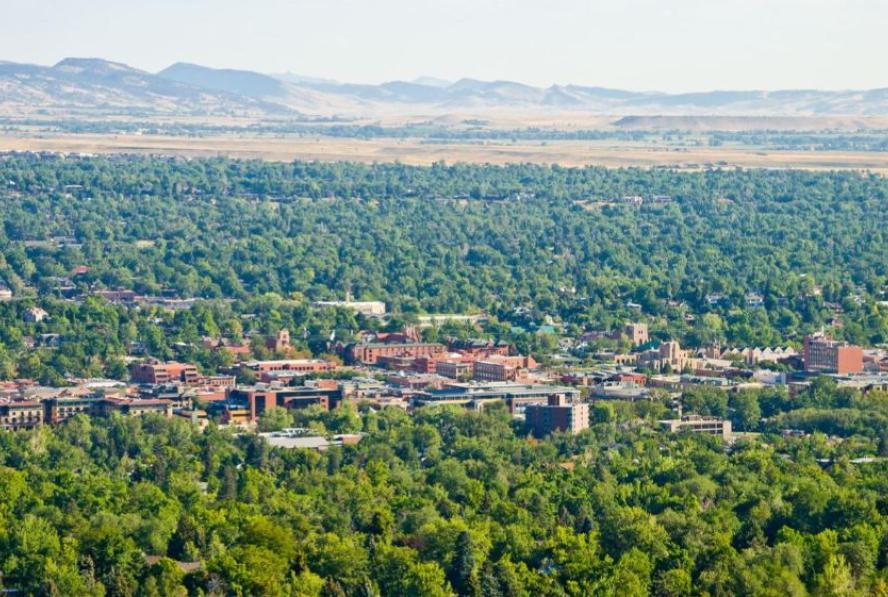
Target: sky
665,45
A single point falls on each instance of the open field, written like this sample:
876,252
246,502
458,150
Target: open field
412,151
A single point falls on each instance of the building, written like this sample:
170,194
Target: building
57,410
297,439
369,354
366,308
217,381
822,354
454,369
502,368
478,347
280,342
5,293
161,373
669,353
35,315
557,415
699,424
135,407
754,300
257,399
297,366
637,333
516,396
21,415
755,355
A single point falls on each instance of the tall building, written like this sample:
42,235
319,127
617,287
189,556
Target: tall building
637,333
557,415
831,356
280,342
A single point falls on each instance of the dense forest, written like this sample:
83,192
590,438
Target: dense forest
445,502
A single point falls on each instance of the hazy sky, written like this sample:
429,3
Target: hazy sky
670,45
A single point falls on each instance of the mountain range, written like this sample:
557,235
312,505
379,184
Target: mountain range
91,86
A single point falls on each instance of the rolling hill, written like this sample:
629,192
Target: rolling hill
90,86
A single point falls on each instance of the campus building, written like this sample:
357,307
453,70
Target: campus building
556,415
21,415
825,355
161,373
255,400
637,333
699,424
371,353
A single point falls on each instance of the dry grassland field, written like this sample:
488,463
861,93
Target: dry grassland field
416,151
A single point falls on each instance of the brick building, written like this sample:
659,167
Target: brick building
822,354
257,399
370,354
160,373
455,369
557,415
502,368
300,366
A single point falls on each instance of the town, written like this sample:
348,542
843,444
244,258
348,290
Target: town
399,369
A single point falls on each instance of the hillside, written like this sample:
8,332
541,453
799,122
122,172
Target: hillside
99,87
90,86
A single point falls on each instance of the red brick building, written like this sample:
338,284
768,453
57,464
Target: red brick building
300,366
557,415
831,356
501,368
370,354
455,369
259,399
159,373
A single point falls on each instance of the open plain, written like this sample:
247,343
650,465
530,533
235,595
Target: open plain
608,153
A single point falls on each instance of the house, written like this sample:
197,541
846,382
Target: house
754,300
35,315
714,299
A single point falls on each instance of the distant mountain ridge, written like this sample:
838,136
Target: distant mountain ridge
95,86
